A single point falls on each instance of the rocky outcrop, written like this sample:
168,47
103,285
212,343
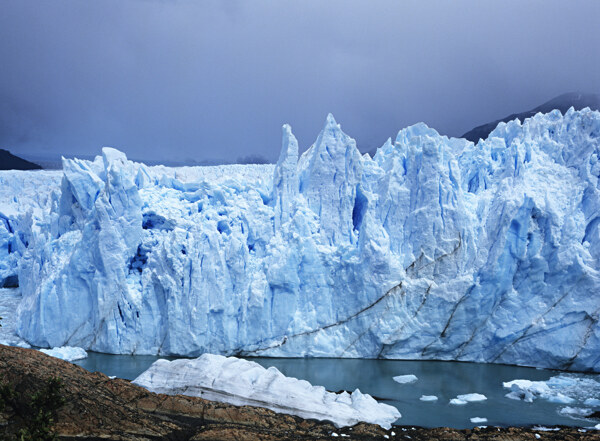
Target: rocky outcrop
99,407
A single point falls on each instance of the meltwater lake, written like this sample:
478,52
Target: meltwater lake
443,379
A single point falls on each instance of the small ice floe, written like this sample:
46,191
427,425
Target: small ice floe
16,341
477,420
597,427
428,398
405,379
472,397
68,353
242,382
545,429
467,398
592,402
575,412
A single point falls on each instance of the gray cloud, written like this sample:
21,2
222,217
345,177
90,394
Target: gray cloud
172,80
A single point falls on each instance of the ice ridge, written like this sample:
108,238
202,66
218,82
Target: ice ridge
436,248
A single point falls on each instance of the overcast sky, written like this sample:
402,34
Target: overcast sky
202,80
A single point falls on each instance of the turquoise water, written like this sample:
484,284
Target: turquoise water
444,379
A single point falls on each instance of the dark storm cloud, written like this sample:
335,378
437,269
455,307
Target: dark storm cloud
177,80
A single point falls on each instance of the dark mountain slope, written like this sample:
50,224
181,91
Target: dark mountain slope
562,103
8,161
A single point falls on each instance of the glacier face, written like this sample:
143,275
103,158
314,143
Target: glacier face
435,248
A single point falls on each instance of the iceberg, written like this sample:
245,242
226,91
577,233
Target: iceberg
575,412
472,397
435,248
467,398
563,389
405,379
66,353
241,382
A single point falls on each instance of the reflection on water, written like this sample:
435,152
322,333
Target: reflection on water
444,379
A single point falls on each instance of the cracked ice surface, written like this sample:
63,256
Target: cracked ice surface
435,248
241,382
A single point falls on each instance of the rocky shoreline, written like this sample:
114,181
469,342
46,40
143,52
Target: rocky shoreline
97,407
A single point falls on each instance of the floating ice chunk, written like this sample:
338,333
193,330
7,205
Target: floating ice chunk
595,402
597,427
575,412
68,353
241,382
560,399
561,389
458,402
472,397
405,379
476,420
526,390
428,398
15,342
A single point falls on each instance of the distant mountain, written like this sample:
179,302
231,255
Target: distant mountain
562,103
8,161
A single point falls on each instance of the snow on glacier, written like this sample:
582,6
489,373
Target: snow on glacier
242,382
436,248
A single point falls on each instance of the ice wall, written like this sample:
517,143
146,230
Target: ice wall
436,248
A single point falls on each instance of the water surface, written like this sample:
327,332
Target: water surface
444,379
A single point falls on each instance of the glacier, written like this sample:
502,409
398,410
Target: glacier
435,248
246,383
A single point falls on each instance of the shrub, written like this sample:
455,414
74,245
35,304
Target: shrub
37,411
